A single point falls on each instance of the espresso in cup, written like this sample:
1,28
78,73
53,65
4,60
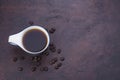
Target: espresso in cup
34,40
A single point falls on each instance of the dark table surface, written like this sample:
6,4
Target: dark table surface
87,32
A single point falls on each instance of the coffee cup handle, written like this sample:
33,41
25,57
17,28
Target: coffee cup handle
14,39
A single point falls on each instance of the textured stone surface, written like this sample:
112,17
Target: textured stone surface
87,31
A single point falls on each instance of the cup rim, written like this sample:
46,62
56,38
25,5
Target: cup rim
30,28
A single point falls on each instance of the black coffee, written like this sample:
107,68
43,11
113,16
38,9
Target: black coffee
34,40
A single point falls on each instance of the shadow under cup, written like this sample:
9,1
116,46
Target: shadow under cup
35,41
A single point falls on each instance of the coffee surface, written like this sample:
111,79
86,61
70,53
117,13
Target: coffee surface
34,40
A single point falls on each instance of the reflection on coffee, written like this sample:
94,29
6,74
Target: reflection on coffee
34,40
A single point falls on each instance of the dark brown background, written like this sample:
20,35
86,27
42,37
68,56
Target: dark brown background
87,31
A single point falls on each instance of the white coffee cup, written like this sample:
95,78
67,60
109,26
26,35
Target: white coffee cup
17,39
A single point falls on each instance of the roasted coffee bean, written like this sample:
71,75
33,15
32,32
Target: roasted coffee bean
51,44
41,69
33,69
59,51
45,68
15,59
53,61
38,64
36,58
31,23
53,50
52,30
20,68
59,65
62,58
56,67
52,47
46,53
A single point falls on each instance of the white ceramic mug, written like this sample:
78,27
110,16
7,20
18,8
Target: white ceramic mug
17,39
